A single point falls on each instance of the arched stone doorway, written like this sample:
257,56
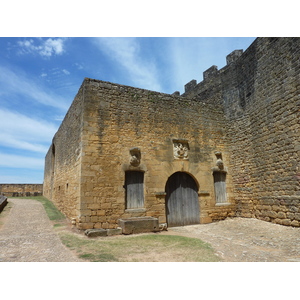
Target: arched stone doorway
182,206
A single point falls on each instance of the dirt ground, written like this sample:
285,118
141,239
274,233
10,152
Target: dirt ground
247,240
26,234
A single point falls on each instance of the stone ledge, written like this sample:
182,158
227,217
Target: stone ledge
131,210
223,204
139,225
203,193
95,232
115,231
3,202
103,232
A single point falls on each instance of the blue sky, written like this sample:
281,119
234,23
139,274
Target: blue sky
39,78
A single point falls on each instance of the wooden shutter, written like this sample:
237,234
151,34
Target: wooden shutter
134,184
220,187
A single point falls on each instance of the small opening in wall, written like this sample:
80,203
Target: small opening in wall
53,158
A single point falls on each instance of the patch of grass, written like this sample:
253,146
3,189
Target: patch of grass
58,225
141,248
101,257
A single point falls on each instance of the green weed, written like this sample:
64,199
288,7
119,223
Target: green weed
148,247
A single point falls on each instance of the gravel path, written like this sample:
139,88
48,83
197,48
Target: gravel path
247,240
28,235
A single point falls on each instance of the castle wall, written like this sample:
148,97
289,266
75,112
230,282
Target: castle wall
118,118
21,190
259,90
248,111
63,162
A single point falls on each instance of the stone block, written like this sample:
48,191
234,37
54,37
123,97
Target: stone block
295,223
95,232
281,215
3,202
139,225
286,222
114,231
272,214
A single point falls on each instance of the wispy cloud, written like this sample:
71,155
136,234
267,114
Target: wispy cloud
13,83
188,57
18,161
21,132
66,72
44,48
126,51
78,66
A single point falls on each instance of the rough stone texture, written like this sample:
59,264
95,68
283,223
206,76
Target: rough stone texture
96,232
92,152
21,190
260,95
248,111
114,231
139,225
62,179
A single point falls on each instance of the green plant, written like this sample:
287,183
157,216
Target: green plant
140,248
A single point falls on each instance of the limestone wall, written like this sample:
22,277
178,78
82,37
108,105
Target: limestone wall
21,190
259,90
118,118
63,162
248,111
270,104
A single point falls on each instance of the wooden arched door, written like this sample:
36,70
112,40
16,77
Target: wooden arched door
182,206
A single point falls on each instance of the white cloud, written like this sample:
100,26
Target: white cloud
66,72
45,48
126,51
13,83
21,132
17,161
22,176
79,66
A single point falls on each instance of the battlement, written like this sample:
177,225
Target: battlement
233,56
212,72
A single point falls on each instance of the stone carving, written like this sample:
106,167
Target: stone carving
135,159
180,149
219,163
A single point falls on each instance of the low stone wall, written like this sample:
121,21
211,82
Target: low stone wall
3,202
21,190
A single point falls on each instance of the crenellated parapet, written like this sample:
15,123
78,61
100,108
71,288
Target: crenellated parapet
233,56
211,75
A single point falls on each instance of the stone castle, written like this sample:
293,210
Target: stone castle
228,146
